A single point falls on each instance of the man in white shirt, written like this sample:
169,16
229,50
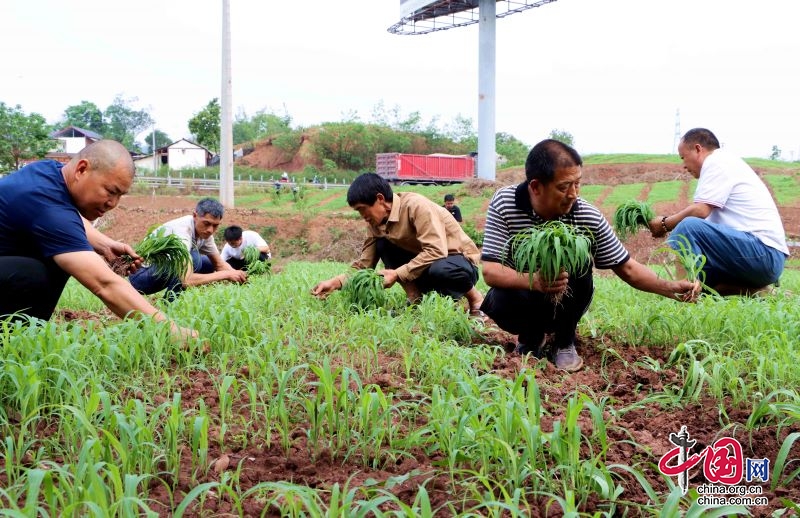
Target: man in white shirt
197,233
733,220
236,240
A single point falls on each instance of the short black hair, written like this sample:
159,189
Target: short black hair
366,187
232,233
701,136
209,206
449,197
547,156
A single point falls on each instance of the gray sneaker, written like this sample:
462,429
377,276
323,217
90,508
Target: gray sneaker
567,359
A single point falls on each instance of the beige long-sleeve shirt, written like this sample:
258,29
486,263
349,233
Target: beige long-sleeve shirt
420,226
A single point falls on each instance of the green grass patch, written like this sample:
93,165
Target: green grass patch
623,193
692,188
625,158
338,202
785,188
591,193
665,191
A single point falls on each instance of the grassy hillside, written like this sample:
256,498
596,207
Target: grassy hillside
623,158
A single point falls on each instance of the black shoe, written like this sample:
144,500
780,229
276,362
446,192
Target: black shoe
536,351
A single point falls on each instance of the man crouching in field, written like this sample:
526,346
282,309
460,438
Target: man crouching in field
419,242
528,308
46,235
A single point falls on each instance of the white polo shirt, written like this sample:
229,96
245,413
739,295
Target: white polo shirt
183,227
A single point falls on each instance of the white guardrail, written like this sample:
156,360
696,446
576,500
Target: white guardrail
212,184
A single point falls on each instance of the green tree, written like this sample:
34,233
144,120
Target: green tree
776,153
85,115
512,148
260,126
124,123
161,138
348,144
411,124
22,136
462,129
562,136
205,125
289,142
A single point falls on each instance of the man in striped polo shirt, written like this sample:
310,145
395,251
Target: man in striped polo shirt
550,192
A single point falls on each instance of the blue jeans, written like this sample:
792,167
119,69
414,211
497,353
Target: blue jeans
146,281
733,257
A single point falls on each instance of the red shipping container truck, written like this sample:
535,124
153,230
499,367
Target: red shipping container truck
404,168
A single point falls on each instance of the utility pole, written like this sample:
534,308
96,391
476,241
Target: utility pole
677,137
155,158
226,193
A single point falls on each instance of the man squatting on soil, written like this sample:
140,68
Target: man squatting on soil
550,192
420,243
197,233
46,234
733,220
237,240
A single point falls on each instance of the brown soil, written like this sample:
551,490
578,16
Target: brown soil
638,438
266,155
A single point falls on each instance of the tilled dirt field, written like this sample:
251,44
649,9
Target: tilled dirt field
638,436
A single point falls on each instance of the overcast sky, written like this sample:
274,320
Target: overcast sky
612,73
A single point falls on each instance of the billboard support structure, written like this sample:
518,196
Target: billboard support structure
424,16
487,65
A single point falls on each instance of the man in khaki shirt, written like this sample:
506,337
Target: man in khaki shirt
420,243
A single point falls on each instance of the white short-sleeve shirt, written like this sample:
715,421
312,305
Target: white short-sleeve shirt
249,238
183,227
741,199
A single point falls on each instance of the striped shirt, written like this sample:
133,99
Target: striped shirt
510,212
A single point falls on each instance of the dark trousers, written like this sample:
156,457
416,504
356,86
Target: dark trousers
531,314
239,264
146,281
452,276
30,287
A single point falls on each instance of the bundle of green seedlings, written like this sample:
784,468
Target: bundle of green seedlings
165,253
549,249
364,290
630,216
691,263
252,258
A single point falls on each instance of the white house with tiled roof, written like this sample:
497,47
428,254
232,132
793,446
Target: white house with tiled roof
181,154
72,139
